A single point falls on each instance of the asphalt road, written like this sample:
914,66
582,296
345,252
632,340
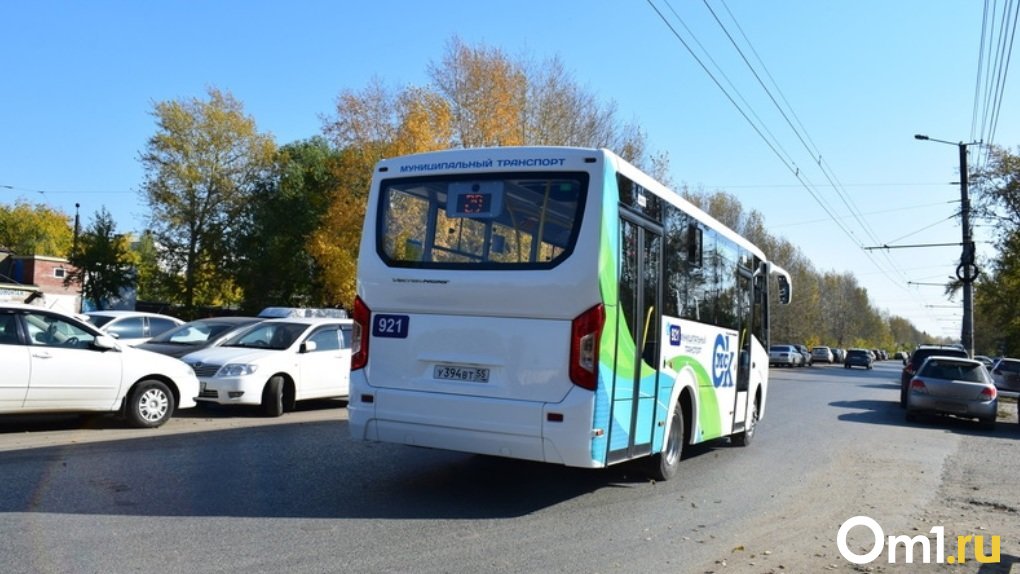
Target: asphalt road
228,491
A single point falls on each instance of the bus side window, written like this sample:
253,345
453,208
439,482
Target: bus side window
695,242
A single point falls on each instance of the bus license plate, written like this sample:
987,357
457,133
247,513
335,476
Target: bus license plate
453,373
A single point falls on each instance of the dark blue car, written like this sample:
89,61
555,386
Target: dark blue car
857,358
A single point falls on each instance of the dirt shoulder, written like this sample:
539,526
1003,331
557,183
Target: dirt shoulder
974,491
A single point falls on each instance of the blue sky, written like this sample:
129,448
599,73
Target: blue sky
860,77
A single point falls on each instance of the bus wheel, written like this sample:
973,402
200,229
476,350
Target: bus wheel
664,465
744,438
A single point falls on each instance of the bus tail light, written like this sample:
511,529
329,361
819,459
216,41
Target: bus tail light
585,333
359,335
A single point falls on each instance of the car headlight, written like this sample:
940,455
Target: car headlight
236,370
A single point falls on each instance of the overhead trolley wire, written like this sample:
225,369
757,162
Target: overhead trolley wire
790,164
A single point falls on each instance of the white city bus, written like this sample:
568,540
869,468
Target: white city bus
557,305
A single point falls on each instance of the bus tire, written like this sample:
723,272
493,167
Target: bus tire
744,438
664,465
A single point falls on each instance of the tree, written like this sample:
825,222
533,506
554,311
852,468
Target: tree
997,292
276,267
153,283
27,229
102,261
202,166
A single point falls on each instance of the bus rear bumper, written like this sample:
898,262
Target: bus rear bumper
498,427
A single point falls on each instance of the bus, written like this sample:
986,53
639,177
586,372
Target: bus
554,304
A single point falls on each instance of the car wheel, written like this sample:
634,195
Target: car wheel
664,465
149,405
903,396
910,416
745,438
272,397
988,423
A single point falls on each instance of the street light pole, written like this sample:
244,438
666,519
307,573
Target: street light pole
967,272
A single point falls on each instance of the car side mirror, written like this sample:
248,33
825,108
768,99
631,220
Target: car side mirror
105,343
308,347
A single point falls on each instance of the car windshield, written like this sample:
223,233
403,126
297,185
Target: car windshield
954,371
921,354
268,335
1008,366
193,333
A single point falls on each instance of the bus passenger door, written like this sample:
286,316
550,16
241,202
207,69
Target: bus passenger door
746,361
637,341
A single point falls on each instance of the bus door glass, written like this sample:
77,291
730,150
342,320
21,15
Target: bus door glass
638,345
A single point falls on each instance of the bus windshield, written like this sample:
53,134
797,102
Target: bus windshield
495,221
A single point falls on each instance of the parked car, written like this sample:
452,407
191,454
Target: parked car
197,335
53,362
858,358
838,355
132,327
987,361
922,352
1006,374
900,356
955,386
785,355
822,354
806,353
277,362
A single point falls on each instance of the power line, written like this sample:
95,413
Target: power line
789,163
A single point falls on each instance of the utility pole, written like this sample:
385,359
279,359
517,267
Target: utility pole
967,271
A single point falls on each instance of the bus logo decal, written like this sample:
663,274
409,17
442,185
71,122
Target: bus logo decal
722,360
674,335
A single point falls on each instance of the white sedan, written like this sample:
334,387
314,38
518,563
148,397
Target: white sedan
276,363
53,362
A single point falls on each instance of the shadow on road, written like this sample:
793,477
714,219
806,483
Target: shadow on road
889,413
294,470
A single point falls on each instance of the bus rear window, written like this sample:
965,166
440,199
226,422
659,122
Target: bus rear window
518,220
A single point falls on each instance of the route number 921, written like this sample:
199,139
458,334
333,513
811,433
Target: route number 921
392,326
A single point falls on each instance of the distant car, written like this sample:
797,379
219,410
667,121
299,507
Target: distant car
900,356
838,355
987,361
197,335
954,386
1006,374
858,358
822,354
919,355
806,353
53,362
132,327
276,363
785,355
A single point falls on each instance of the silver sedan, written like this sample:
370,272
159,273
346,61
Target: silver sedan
954,386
